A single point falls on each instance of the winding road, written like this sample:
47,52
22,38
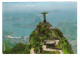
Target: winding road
49,49
32,51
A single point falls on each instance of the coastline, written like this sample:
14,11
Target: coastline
9,36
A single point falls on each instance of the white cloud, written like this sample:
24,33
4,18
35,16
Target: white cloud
23,5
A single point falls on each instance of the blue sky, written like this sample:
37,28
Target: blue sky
38,6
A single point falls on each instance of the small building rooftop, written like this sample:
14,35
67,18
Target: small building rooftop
50,42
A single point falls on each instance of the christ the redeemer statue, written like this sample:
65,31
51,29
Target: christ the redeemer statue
44,15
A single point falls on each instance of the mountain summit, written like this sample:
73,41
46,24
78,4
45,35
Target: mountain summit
48,40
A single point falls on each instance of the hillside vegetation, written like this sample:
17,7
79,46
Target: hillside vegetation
43,32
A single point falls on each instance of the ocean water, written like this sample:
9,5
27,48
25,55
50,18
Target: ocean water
22,25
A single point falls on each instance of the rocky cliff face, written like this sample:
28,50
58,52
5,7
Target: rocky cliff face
48,40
